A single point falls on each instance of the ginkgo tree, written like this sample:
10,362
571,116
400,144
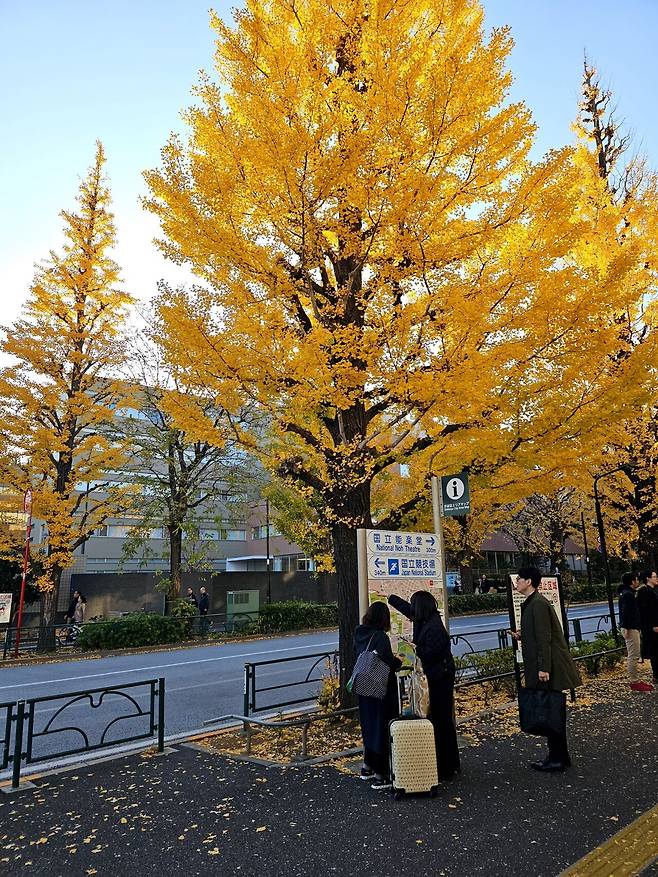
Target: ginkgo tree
59,394
386,274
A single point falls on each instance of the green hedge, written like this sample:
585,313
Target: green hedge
296,615
139,629
583,592
466,604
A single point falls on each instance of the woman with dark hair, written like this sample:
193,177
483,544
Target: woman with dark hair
374,713
433,648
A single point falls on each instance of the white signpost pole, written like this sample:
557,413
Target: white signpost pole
362,570
438,529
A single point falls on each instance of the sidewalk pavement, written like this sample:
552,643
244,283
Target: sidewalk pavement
196,813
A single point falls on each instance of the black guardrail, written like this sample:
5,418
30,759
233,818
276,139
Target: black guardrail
25,727
251,689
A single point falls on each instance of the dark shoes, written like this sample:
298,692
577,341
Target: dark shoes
547,766
367,773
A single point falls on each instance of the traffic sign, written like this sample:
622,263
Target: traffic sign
456,495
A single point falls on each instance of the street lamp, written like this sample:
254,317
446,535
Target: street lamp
267,550
604,550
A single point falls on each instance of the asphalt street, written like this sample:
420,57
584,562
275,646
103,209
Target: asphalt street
204,682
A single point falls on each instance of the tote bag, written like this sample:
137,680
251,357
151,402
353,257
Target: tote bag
541,711
419,691
370,675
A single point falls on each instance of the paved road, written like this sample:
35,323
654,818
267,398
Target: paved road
204,682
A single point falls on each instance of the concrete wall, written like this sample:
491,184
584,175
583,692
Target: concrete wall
110,593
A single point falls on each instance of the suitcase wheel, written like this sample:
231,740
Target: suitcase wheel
397,794
434,792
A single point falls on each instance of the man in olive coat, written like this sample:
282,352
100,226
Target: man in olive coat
547,662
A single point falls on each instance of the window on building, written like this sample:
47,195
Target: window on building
100,531
305,564
208,535
235,535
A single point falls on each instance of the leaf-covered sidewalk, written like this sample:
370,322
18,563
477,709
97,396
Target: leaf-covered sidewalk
199,813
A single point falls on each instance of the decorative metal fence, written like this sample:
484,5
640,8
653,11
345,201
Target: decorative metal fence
38,738
252,690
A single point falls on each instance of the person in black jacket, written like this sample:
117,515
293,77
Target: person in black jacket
629,621
433,648
647,603
204,606
375,714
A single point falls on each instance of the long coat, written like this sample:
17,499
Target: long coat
647,604
433,648
544,646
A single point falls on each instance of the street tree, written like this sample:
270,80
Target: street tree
632,499
387,275
186,479
58,395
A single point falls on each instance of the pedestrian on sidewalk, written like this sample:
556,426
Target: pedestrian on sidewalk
547,662
433,648
647,603
80,609
374,713
191,598
70,612
204,606
629,622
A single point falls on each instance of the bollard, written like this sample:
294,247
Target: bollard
18,746
161,714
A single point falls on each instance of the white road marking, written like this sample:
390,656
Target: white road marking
165,666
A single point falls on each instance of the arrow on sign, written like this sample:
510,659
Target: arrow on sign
431,541
379,563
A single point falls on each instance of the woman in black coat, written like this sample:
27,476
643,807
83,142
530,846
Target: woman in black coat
433,648
374,713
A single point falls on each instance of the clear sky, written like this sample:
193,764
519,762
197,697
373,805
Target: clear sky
73,71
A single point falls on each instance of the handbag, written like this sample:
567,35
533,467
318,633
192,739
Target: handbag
542,711
419,691
370,675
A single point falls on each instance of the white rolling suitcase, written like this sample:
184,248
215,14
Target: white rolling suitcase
413,754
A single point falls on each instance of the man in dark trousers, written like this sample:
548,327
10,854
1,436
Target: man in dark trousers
204,606
547,662
647,603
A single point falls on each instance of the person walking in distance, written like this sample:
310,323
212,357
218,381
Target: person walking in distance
547,662
629,622
204,606
191,598
647,603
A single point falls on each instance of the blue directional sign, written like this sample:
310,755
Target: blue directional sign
393,566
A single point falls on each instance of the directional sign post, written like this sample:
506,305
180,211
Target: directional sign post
392,562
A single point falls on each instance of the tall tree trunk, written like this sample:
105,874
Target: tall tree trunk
48,612
175,557
354,507
344,539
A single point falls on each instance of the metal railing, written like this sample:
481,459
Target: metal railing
251,689
22,717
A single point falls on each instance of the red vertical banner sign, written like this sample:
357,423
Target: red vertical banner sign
27,508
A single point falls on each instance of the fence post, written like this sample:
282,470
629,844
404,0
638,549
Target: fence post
247,681
577,630
18,746
503,641
161,714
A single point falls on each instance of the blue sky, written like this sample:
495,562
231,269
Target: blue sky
75,71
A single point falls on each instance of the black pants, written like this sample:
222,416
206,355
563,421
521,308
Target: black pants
558,749
442,706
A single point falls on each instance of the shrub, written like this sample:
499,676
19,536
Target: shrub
138,629
296,615
602,642
465,604
583,592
